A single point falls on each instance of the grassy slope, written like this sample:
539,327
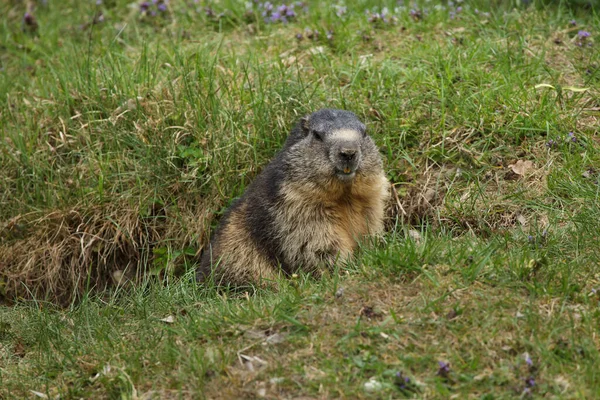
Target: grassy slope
123,140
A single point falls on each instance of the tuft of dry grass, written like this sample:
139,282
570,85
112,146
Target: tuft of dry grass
63,255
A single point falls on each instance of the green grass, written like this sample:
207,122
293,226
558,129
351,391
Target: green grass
123,141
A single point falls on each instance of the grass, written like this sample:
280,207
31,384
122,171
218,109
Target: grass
124,136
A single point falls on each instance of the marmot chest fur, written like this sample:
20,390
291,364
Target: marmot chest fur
310,207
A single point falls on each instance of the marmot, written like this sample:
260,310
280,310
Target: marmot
322,193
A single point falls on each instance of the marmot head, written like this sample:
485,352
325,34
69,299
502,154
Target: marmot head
333,144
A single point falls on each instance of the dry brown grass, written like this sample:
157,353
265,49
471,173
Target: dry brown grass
61,255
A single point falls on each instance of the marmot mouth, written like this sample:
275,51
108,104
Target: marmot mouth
346,174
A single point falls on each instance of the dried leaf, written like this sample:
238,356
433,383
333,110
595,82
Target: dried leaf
39,394
255,334
429,195
275,338
169,319
521,167
252,362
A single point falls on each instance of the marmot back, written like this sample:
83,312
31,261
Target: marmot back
321,194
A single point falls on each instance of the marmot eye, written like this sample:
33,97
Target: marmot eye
318,135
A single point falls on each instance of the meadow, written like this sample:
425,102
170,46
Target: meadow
127,128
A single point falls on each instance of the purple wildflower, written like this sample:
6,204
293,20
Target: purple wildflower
268,6
29,23
550,143
415,14
329,35
444,369
276,16
162,7
572,137
28,19
402,382
280,13
144,6
373,17
530,382
98,2
383,16
299,36
528,360
583,34
573,22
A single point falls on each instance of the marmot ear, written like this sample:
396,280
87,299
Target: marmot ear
304,124
363,129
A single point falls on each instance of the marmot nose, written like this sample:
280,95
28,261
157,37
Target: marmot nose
347,154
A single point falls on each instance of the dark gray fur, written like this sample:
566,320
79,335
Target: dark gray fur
263,194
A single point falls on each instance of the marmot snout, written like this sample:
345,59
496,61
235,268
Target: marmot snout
345,153
321,194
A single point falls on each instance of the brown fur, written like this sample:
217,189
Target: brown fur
235,239
302,213
333,221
